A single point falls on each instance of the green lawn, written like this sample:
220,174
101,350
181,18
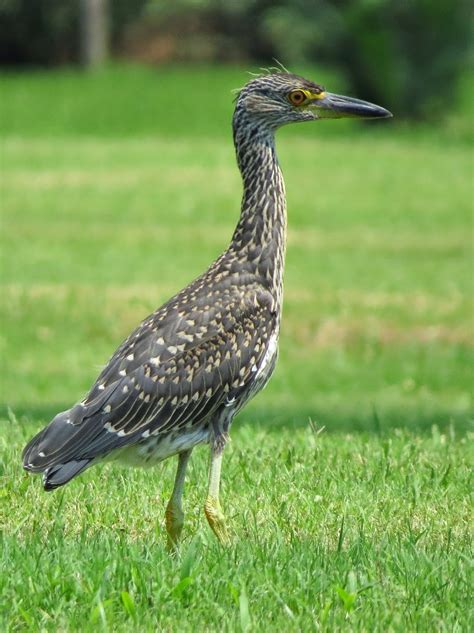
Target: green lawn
120,187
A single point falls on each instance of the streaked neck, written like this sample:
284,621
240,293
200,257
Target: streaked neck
259,239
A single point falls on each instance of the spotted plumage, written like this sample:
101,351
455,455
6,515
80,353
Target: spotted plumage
182,375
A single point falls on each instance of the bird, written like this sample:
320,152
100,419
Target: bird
181,377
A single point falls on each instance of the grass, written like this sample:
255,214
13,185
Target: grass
116,191
331,531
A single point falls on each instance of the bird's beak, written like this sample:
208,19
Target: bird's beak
330,106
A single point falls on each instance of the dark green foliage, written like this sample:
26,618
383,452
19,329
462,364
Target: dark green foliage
47,32
39,33
409,55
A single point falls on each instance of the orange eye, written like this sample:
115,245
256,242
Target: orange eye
297,97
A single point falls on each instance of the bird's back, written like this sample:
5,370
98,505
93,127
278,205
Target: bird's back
206,348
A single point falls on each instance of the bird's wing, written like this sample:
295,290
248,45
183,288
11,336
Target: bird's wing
172,372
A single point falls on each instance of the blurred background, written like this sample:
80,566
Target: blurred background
409,55
119,186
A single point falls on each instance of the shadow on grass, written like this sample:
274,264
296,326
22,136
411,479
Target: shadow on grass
337,420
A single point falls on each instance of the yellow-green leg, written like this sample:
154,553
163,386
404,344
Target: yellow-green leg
212,507
174,510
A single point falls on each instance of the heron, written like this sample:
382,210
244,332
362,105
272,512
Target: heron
181,377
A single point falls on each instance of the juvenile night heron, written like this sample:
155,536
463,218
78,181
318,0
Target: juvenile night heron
180,378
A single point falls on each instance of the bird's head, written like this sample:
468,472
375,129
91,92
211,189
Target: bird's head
278,98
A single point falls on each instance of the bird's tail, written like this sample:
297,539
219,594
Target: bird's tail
60,474
50,452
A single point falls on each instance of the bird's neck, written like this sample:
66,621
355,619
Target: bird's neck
259,239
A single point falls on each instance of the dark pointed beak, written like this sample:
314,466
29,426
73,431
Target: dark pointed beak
331,106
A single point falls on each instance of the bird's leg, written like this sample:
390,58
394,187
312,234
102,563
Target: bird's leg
174,510
212,507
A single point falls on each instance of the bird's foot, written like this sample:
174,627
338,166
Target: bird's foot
216,520
174,517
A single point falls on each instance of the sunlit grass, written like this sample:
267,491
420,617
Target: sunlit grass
369,532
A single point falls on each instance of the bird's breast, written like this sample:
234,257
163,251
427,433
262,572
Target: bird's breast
157,448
